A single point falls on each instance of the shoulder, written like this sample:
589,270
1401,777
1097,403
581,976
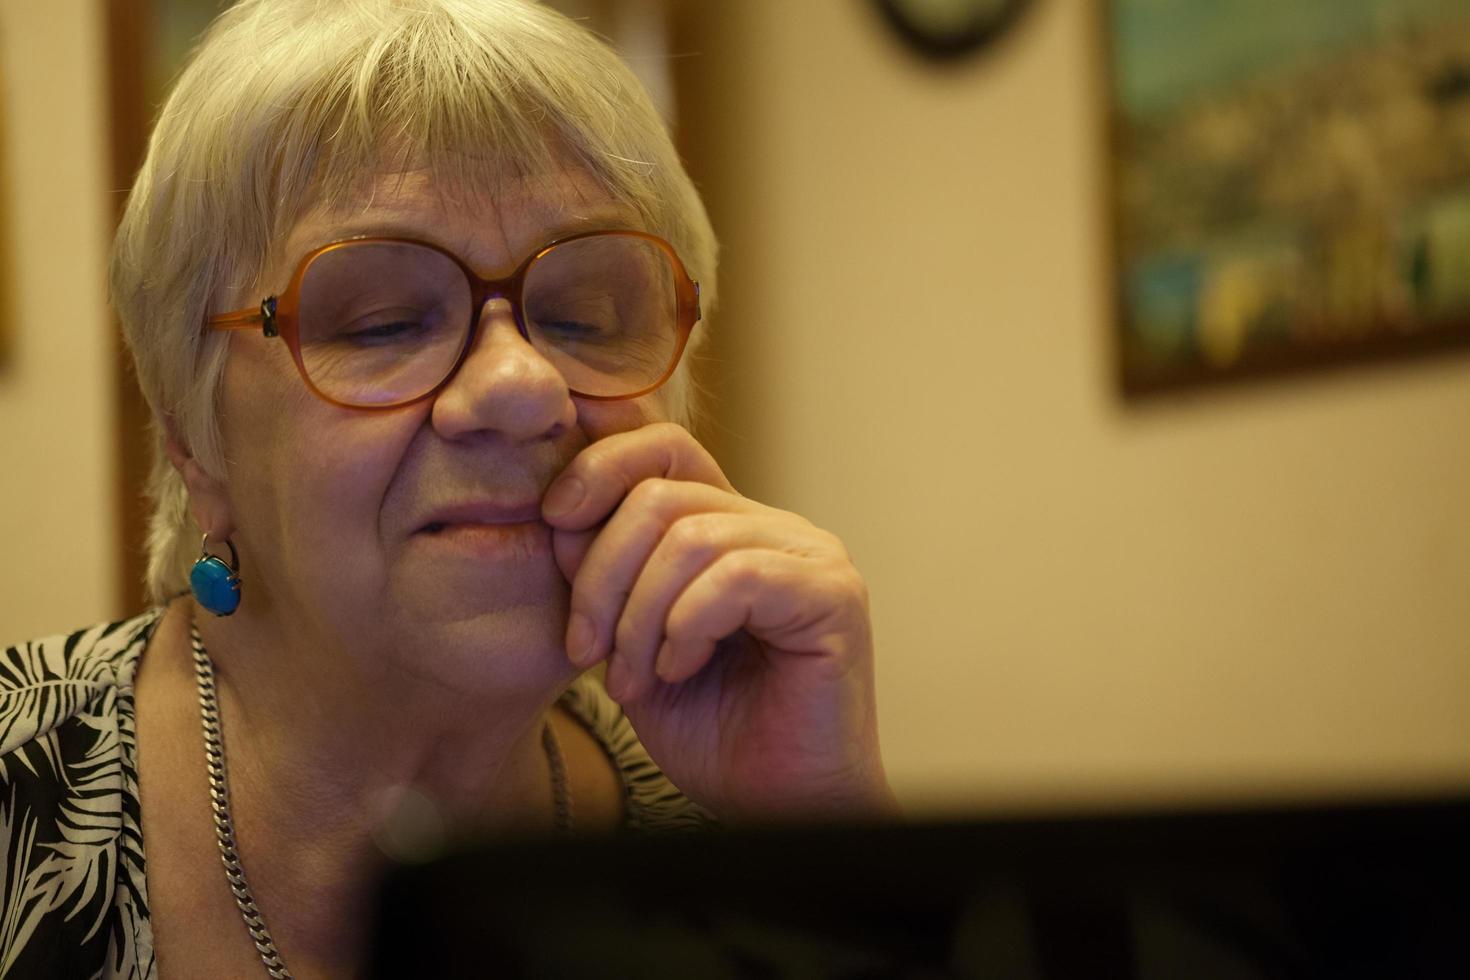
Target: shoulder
71,873
48,682
653,803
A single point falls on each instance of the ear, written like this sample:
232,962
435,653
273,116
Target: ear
208,501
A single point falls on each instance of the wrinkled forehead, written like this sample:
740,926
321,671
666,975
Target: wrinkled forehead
492,220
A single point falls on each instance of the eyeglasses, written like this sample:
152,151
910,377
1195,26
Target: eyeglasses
384,322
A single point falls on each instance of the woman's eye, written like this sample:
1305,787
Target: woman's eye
575,329
386,332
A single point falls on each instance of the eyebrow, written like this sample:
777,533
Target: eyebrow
399,226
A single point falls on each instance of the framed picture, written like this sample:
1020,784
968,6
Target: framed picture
1291,183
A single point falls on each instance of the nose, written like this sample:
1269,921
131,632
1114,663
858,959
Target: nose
504,387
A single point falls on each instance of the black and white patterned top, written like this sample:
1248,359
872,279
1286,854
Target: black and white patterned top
73,891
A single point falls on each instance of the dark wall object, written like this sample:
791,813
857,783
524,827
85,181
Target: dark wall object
946,30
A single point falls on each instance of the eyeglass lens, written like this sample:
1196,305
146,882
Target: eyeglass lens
384,322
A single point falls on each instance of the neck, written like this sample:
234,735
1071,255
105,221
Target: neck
338,764
458,719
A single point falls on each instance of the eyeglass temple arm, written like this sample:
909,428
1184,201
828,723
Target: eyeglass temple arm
247,319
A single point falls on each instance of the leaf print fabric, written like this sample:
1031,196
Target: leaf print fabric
71,862
73,895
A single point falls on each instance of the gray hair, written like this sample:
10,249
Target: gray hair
292,104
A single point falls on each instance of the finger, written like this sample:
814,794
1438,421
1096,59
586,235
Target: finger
570,549
612,563
600,476
690,545
715,605
791,603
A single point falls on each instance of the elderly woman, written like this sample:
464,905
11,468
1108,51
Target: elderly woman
408,283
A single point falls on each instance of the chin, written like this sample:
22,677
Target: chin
488,641
474,625
434,589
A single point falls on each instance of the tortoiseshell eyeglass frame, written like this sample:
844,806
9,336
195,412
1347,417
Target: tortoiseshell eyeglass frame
277,316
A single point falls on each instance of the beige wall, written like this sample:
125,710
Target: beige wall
1261,590
1248,592
56,484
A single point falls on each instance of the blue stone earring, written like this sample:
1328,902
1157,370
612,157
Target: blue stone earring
215,584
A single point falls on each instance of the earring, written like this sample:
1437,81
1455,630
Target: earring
216,585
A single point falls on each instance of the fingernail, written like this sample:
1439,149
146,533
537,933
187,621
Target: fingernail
563,498
616,679
581,640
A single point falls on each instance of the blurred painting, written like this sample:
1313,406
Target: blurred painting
1292,183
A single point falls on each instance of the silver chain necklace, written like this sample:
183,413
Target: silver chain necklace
224,826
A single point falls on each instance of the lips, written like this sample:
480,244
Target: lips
481,513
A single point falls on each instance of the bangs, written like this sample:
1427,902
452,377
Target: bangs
432,97
447,90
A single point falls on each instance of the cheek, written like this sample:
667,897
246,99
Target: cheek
307,479
601,419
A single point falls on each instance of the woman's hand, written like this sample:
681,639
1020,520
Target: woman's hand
737,635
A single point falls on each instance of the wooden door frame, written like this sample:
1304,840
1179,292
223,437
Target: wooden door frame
129,30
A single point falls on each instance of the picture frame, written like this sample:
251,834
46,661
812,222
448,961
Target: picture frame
1290,184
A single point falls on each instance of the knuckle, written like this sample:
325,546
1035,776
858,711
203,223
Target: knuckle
654,494
696,536
834,551
828,541
836,548
843,576
668,430
587,463
849,589
744,569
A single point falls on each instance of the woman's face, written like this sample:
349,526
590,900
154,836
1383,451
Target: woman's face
416,532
